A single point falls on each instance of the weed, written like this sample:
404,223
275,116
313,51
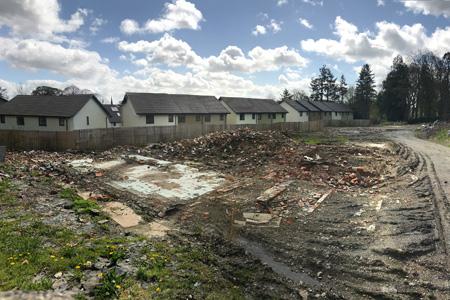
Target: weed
80,205
110,286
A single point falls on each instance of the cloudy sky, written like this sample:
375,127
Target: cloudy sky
229,48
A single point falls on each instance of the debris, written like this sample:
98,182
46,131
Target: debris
122,214
273,192
257,218
316,205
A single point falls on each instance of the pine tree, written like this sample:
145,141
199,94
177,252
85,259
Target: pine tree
323,87
343,89
393,98
286,95
365,92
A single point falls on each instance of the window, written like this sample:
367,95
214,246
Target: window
42,121
274,116
259,116
20,121
335,114
198,118
283,115
2,119
242,117
208,118
301,114
222,117
181,119
62,122
114,124
87,121
150,119
269,116
170,118
253,116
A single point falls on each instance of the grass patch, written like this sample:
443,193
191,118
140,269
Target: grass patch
175,272
80,205
7,197
29,248
442,137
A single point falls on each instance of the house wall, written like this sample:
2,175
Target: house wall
97,117
111,125
32,124
293,115
131,119
336,116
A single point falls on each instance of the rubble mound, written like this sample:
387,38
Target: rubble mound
240,146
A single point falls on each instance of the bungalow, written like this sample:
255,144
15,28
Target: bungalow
114,118
53,113
296,111
326,111
148,109
253,111
341,111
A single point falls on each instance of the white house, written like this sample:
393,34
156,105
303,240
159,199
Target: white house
114,117
296,111
253,111
53,113
149,109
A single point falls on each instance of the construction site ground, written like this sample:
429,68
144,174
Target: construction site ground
350,213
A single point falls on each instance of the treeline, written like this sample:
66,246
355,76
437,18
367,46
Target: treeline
418,90
326,87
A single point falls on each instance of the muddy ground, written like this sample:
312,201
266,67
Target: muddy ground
345,214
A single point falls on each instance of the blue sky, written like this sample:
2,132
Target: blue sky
241,48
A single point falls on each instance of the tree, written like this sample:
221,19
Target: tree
298,94
3,92
393,98
71,90
286,95
364,93
46,91
342,89
323,87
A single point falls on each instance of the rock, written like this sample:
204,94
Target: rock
103,221
58,275
90,281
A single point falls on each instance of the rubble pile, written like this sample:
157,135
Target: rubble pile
240,147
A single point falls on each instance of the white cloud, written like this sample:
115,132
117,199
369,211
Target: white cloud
259,30
378,49
282,2
96,24
166,50
40,55
129,26
38,18
314,2
429,7
110,40
180,14
380,3
305,23
275,26
172,52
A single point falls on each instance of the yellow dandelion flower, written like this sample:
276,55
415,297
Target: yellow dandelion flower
13,263
77,267
118,287
158,289
111,253
52,256
100,275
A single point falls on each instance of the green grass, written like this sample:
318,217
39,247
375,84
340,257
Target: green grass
442,137
175,272
80,205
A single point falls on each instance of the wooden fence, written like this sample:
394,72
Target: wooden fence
102,139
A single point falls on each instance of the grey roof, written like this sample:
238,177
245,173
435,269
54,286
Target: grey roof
150,103
308,105
113,115
297,106
46,106
339,107
3,100
252,105
322,106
